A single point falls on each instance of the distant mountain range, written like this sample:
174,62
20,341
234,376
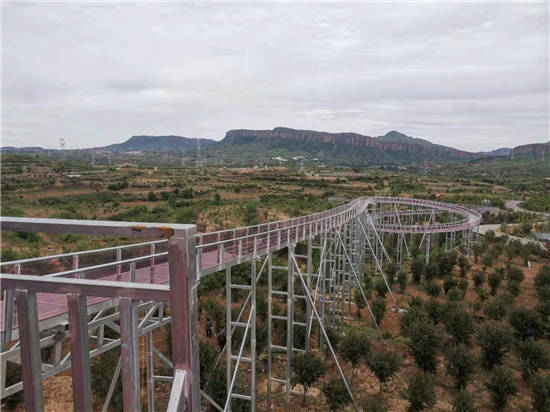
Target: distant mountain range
282,142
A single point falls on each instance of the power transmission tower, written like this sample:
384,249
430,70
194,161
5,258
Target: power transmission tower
62,144
198,160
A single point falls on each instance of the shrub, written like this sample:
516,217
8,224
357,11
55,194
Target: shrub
307,369
381,288
542,283
433,289
336,394
494,340
102,371
431,270
478,279
354,347
501,386
379,309
497,309
414,315
449,283
540,385
494,279
464,265
359,301
459,323
417,269
384,364
532,357
526,323
434,309
513,287
375,403
460,365
514,274
456,294
424,343
402,279
421,392
207,356
464,402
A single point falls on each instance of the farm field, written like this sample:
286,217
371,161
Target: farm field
472,333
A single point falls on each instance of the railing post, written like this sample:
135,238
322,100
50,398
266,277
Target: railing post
80,360
184,300
27,315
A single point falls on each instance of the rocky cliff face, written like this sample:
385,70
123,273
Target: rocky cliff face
392,141
536,149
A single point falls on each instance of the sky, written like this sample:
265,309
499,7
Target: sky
474,75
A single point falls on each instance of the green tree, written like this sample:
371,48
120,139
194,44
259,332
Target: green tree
424,343
526,323
494,340
359,301
417,269
384,364
494,280
460,365
402,280
464,265
540,385
421,392
307,368
459,323
336,394
381,288
532,356
379,310
355,347
501,386
464,402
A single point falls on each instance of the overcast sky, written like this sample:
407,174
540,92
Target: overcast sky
469,75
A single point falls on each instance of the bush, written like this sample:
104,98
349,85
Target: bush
384,364
460,365
431,270
494,279
402,279
424,343
464,265
513,287
540,385
526,323
336,394
459,324
478,278
494,340
306,370
532,357
421,392
464,402
435,310
375,403
542,283
456,294
501,386
514,274
497,309
433,289
102,371
449,283
379,310
381,288
354,347
417,269
414,315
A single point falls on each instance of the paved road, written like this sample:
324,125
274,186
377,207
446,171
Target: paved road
483,229
514,205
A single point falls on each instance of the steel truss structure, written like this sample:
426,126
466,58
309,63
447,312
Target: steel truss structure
82,304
